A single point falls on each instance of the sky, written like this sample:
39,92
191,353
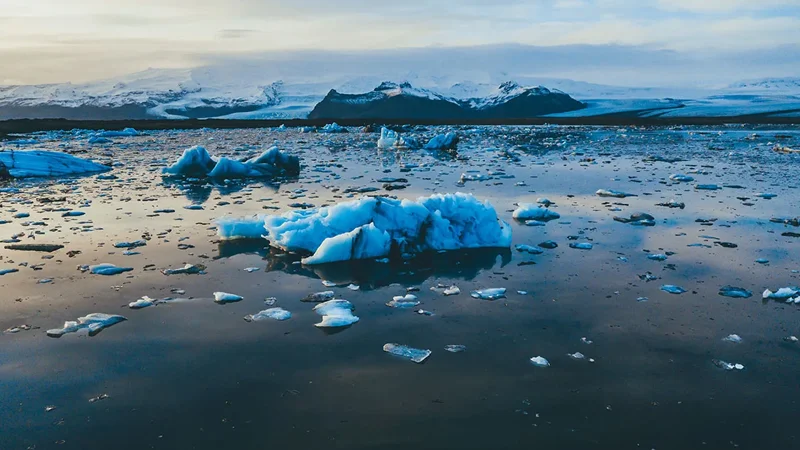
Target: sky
48,41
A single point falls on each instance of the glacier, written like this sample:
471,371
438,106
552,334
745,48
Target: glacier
377,227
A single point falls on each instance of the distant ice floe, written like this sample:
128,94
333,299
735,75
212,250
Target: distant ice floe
40,163
377,227
410,353
196,162
279,314
335,314
93,322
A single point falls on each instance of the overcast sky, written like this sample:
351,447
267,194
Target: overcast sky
44,41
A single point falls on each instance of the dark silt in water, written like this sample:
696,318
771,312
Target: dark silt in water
193,374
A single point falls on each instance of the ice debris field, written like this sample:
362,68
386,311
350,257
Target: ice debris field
542,253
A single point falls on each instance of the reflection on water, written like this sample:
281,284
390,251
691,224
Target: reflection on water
369,274
199,191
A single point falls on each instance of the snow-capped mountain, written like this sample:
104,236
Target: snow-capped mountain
263,91
404,101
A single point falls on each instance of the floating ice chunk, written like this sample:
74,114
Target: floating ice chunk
638,219
274,160
544,201
726,365
762,261
229,168
657,257
143,302
403,301
489,294
271,313
73,214
455,348
735,338
528,249
672,289
613,193
364,242
531,211
443,142
781,294
473,177
251,269
707,187
446,290
188,269
586,341
7,271
127,132
318,297
540,361
581,245
333,128
681,177
335,314
435,223
40,163
195,161
672,204
403,351
576,355
353,287
93,322
224,297
388,138
734,292
792,339
134,244
104,269
766,195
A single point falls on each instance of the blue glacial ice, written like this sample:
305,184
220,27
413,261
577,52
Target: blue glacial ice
404,351
93,322
104,269
489,294
224,297
372,227
531,211
196,162
271,313
443,142
40,163
540,361
672,289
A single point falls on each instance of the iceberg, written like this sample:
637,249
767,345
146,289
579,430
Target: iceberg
377,227
443,142
333,128
40,163
335,314
196,162
93,322
531,211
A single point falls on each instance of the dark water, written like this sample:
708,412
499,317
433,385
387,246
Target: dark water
195,375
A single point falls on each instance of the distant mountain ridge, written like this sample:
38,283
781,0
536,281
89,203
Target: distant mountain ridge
404,101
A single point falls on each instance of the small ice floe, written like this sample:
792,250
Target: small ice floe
271,313
581,245
443,142
224,297
40,163
104,269
73,214
657,257
586,341
681,177
251,269
613,193
18,328
7,271
455,348
446,290
672,204
49,408
319,297
576,355
143,302
781,294
98,398
766,195
423,312
734,292
548,245
335,314
353,287
410,353
134,244
637,219
403,301
333,128
535,223
642,299
791,339
489,294
93,322
707,187
735,338
540,361
531,211
672,289
188,269
528,249
473,177
726,365
193,207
